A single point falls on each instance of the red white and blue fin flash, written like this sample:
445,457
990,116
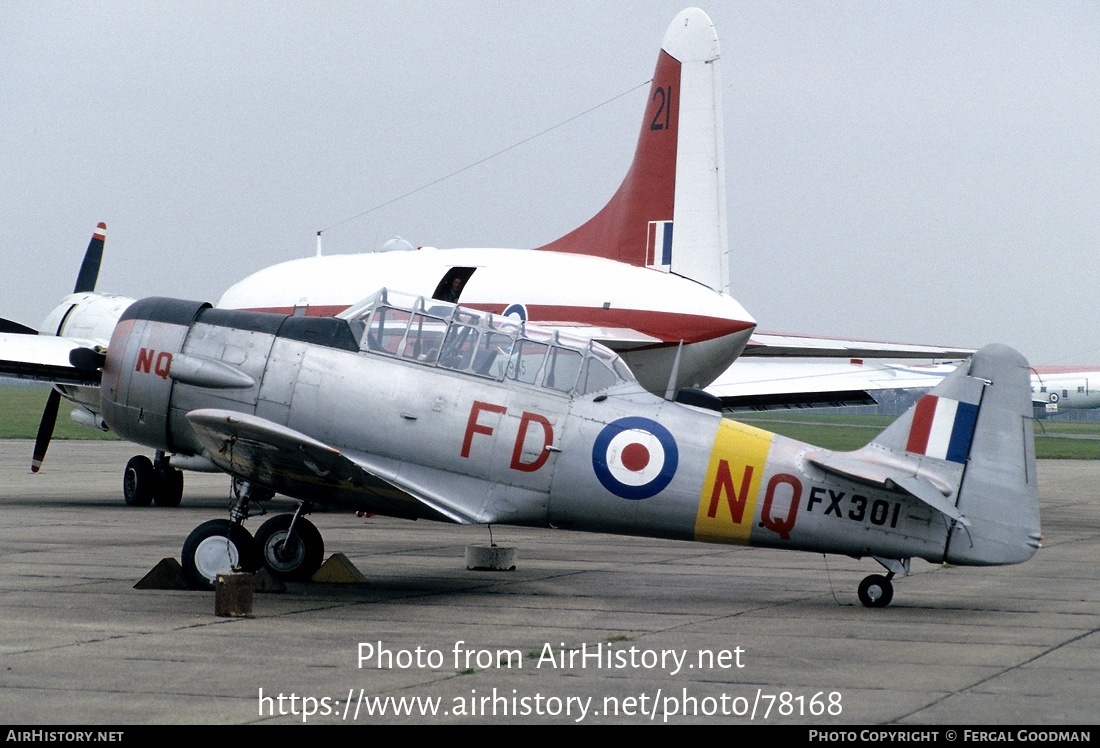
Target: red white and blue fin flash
942,428
659,245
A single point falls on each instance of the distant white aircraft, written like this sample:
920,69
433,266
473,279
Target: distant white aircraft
770,383
1065,387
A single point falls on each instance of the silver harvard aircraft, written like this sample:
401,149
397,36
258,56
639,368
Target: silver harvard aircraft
416,408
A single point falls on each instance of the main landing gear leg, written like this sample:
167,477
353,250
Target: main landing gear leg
219,547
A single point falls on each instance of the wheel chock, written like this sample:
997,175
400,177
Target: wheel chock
263,581
339,570
166,575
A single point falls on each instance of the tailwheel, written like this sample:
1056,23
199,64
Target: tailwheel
876,591
217,547
290,546
139,481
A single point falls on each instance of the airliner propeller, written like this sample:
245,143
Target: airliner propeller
85,281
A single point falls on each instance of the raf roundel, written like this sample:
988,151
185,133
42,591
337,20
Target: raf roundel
635,458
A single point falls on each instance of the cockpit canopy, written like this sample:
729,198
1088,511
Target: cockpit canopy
437,333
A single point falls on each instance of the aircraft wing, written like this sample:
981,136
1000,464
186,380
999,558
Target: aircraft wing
297,465
47,358
805,346
618,339
776,383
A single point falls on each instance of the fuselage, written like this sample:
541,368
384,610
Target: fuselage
1066,388
642,314
471,418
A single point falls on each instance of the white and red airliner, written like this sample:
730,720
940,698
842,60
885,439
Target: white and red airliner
648,276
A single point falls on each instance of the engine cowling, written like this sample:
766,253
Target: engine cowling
168,357
136,390
85,316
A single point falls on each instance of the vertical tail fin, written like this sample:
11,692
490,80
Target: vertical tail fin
975,433
669,213
967,450
999,491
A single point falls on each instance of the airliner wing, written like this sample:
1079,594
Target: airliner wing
618,339
46,358
775,383
787,346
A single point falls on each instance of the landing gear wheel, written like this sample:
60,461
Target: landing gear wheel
169,491
876,591
297,559
138,481
217,547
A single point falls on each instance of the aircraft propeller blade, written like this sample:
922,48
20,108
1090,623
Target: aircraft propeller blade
85,282
93,256
45,430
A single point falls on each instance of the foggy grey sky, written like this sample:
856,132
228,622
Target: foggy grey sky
907,171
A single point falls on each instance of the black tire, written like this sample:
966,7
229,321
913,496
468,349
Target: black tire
217,547
296,561
876,591
138,481
169,491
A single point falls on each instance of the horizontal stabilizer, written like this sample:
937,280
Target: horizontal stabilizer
891,477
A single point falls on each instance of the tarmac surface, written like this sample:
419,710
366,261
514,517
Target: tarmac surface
683,633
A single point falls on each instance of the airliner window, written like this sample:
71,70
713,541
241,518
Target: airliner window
526,361
562,368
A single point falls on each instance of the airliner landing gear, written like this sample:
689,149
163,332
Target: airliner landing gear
154,481
290,546
876,590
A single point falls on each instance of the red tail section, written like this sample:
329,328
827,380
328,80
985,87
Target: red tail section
670,212
631,228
